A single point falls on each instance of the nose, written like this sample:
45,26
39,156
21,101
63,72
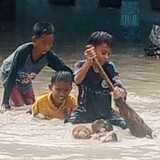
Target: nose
62,93
106,56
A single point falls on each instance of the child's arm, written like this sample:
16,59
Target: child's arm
82,72
90,54
56,63
119,90
18,61
35,109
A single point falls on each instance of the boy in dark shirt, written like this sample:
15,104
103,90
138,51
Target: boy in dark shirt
94,99
22,66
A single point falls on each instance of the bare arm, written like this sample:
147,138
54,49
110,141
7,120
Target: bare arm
90,54
81,74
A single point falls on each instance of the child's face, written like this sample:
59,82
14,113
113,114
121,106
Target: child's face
44,43
103,52
60,91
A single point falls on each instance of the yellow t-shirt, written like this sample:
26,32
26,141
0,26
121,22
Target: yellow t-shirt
45,106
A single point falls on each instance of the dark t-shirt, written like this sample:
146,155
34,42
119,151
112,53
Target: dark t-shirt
94,94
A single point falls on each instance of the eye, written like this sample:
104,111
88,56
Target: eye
66,90
106,53
57,89
103,53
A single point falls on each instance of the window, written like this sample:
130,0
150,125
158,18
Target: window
110,3
62,2
155,5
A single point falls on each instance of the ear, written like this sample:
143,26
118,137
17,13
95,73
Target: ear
71,88
50,86
34,38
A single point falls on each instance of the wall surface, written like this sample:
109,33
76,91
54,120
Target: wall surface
86,15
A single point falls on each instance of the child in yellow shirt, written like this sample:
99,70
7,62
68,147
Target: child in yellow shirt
58,103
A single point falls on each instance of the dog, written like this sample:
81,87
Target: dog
101,125
100,129
81,132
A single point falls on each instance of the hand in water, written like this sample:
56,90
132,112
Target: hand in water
4,108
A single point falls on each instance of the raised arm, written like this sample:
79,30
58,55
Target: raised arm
81,73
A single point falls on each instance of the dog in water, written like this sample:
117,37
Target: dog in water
100,129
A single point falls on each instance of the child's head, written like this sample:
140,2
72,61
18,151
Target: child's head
102,41
43,36
60,86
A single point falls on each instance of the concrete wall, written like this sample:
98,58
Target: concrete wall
86,15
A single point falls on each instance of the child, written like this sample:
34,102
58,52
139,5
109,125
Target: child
94,99
22,66
58,103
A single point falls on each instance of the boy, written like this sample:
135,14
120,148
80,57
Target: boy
94,99
22,66
58,103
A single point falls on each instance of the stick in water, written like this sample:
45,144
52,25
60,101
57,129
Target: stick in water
135,123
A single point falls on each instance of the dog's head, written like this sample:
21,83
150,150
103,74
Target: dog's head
101,125
81,132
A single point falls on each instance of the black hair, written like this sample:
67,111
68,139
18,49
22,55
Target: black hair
100,37
62,76
43,28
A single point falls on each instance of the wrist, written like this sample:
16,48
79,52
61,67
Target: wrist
89,62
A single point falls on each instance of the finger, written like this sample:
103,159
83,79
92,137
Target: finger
90,53
89,46
26,81
2,110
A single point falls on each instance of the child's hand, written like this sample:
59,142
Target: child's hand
119,92
90,53
29,78
4,108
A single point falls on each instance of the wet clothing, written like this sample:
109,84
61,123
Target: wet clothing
18,98
45,106
94,99
19,65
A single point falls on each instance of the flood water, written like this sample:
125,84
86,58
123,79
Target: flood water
23,137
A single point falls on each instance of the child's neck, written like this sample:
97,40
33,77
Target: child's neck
36,54
95,68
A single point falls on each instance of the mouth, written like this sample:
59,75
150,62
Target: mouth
61,98
44,52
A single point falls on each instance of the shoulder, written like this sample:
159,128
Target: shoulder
72,99
23,51
42,98
51,54
52,57
111,66
79,64
25,46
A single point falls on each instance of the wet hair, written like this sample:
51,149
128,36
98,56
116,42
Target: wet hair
43,28
100,37
62,76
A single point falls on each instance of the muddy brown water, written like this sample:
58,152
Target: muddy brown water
23,137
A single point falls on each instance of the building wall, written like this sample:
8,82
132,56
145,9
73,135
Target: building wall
86,15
